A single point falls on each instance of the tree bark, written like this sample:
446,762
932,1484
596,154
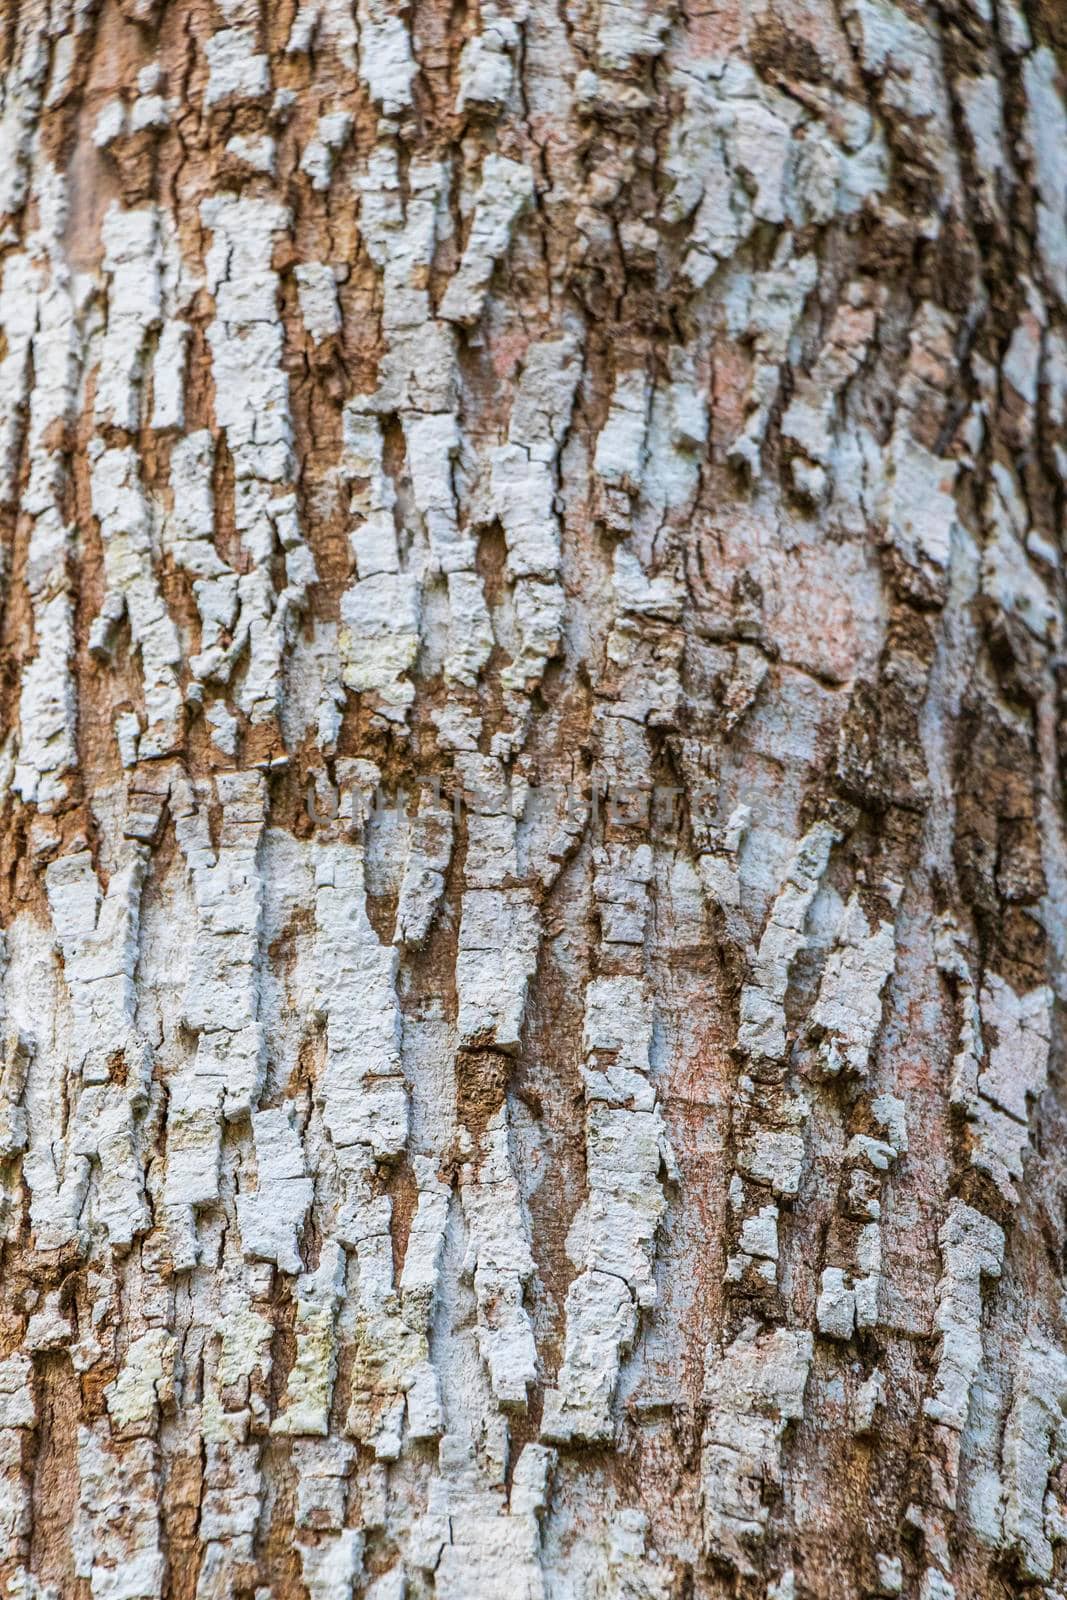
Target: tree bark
532,849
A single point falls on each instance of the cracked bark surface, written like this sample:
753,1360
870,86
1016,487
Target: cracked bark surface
533,876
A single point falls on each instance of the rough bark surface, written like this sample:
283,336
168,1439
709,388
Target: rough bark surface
532,751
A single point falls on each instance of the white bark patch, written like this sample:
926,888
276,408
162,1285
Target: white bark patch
914,488
271,1218
753,1391
236,69
474,1543
499,936
1001,1063
47,749
905,54
317,292
116,1537
432,443
102,1148
309,1387
18,319
500,1263
972,1247
145,1381
393,1378
1047,134
125,518
486,67
423,883
612,1238
629,31
1008,574
620,447
362,1092
221,1002
385,61
761,1033
810,422
331,1555
506,189
847,1013
132,263
523,489
331,134
379,635
320,20
252,408
1034,1446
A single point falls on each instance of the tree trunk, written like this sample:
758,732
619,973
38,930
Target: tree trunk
533,856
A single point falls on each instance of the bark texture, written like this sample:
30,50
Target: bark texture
532,856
